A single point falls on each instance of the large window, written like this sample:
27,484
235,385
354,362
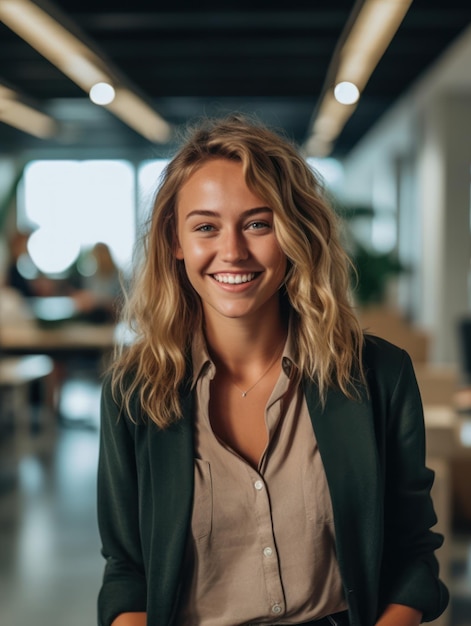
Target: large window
71,205
148,178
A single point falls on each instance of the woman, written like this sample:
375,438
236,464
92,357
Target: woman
262,462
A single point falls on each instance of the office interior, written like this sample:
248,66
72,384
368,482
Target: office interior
75,191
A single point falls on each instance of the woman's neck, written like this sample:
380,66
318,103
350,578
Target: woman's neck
237,343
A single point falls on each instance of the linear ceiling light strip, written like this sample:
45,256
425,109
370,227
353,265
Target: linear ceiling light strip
81,64
17,113
364,42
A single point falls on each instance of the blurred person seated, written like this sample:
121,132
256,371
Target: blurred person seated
98,283
22,274
88,291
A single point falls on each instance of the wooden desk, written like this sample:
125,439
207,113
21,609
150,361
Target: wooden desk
65,340
23,370
446,432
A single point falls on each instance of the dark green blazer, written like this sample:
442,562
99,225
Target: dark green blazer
373,452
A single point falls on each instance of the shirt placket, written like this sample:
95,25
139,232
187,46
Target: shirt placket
268,554
269,557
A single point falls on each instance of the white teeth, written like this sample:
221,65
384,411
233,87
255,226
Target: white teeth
234,279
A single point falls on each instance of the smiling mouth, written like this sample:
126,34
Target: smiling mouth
235,279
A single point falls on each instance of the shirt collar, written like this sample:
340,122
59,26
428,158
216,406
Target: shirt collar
203,364
288,362
200,357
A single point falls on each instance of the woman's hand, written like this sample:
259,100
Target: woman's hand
399,615
130,619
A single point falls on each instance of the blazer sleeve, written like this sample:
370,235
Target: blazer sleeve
124,583
410,569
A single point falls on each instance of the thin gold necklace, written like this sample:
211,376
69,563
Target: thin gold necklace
244,393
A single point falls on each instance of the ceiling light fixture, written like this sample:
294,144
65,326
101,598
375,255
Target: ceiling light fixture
372,26
102,94
55,38
346,92
16,112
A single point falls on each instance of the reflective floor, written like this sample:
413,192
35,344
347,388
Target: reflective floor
50,566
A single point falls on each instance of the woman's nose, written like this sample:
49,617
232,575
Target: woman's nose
234,246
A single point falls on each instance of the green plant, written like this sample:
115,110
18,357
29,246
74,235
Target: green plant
374,270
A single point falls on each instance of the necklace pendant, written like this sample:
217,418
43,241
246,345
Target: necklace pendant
244,393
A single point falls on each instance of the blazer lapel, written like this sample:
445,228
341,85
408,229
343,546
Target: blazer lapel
345,435
171,459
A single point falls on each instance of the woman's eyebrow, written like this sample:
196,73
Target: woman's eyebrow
207,213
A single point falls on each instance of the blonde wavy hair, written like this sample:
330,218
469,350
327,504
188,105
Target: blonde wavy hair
164,311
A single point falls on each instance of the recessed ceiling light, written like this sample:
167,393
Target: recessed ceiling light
102,94
346,92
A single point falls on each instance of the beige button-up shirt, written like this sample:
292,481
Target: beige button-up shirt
261,548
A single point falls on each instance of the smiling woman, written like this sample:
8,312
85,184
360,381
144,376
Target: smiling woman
225,237
262,460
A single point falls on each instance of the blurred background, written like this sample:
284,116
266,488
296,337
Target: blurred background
377,94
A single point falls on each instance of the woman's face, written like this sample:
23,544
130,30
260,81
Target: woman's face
227,242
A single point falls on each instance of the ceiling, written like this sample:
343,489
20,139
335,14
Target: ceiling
268,58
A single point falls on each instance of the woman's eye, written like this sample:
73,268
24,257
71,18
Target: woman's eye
258,225
205,228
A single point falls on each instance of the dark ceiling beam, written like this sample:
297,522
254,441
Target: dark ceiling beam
239,47
204,21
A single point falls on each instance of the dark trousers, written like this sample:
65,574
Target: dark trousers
336,619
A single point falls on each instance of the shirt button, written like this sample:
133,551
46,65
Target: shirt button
276,608
267,551
258,484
